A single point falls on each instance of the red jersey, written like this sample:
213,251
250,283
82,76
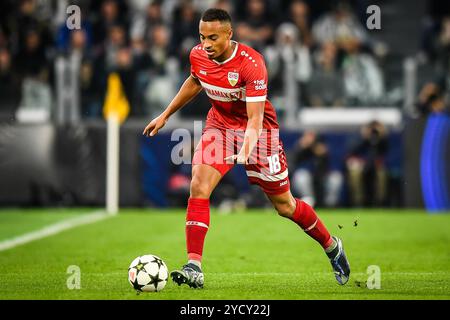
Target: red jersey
230,84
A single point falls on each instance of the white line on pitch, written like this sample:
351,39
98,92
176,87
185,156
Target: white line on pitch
53,229
246,274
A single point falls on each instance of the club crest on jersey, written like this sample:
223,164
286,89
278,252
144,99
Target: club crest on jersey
233,78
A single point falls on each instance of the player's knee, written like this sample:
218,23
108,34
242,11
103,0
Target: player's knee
199,188
284,209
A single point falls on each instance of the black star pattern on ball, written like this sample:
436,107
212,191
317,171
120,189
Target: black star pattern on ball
154,280
158,261
140,265
138,287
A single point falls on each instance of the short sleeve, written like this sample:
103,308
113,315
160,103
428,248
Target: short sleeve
192,62
255,78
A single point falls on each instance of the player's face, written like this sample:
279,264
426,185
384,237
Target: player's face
215,37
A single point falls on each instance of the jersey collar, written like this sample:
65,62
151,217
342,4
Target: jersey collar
232,55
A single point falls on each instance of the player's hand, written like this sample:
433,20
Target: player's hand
237,158
155,125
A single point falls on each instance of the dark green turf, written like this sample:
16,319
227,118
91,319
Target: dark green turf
248,255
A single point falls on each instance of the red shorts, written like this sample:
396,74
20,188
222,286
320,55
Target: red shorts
267,165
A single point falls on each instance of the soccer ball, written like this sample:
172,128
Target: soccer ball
148,273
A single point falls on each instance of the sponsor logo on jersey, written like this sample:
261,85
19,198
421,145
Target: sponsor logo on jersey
203,72
233,78
223,94
260,84
283,183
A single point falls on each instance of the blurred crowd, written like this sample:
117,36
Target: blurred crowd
322,49
319,53
362,179
359,174
434,56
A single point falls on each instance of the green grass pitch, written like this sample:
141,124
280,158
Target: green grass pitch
253,254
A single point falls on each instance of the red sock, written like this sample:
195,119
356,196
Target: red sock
197,224
308,220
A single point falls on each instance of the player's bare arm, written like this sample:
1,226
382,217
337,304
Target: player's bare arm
190,88
255,113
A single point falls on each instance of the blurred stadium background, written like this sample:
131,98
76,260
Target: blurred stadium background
364,113
364,117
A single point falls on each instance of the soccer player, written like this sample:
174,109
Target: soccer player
234,77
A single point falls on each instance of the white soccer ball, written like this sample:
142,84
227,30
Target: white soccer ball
148,273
